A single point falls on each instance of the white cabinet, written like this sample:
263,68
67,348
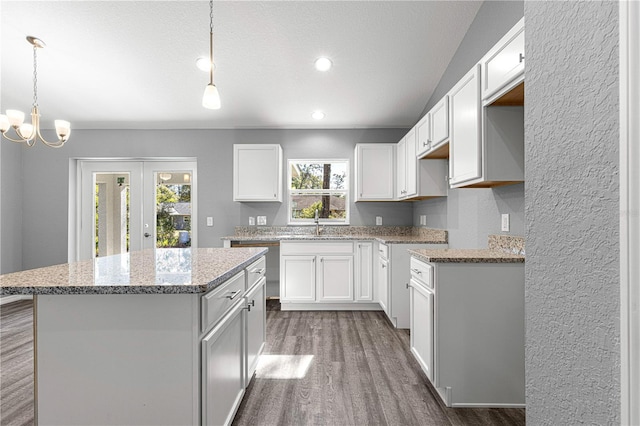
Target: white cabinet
433,133
465,114
401,169
418,179
223,359
467,331
364,272
383,281
503,65
334,275
375,172
421,299
255,329
257,172
297,278
335,278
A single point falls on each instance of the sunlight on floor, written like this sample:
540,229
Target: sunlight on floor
283,366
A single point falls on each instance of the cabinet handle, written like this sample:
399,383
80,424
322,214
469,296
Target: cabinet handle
233,294
274,195
257,271
416,271
521,58
381,251
424,144
384,266
248,307
322,259
407,285
253,302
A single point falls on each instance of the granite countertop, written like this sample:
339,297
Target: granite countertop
466,256
160,271
385,235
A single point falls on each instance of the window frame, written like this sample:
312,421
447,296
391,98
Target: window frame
346,191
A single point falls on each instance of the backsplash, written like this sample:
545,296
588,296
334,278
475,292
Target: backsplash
507,243
435,234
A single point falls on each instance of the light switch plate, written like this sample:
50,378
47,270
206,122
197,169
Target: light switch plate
423,220
209,221
262,220
505,222
252,221
378,220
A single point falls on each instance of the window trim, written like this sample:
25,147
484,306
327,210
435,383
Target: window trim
346,191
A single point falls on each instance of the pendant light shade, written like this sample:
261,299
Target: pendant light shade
211,98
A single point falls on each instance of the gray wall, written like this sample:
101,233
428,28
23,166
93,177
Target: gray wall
46,177
470,215
11,206
571,205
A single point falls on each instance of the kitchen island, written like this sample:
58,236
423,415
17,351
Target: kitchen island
165,336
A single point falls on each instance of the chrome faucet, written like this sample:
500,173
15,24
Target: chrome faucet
317,221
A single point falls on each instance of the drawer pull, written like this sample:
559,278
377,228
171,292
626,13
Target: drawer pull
521,58
257,271
234,294
253,302
416,271
248,308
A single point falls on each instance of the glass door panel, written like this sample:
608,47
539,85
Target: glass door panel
112,199
173,209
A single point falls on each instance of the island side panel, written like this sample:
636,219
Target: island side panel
117,359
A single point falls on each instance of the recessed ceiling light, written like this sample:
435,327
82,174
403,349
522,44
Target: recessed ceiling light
323,64
204,64
318,115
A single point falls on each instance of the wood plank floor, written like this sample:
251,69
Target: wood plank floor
16,363
353,369
361,373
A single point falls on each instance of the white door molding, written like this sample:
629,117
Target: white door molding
630,212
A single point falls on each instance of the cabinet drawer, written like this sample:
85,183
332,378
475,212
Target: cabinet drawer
383,250
422,272
331,247
255,271
218,301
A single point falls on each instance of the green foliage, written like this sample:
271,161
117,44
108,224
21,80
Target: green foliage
310,212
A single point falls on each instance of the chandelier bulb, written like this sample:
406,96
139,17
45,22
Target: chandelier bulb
4,123
211,97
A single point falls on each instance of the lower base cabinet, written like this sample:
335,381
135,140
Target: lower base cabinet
223,369
467,331
256,324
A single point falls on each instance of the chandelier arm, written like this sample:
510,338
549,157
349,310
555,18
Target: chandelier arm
21,140
56,144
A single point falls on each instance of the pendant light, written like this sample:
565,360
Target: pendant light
211,98
29,133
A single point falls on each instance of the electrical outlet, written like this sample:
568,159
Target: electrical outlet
252,221
209,221
423,220
505,222
262,220
378,220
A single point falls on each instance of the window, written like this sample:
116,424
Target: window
318,185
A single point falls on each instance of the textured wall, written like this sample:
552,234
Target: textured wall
46,179
571,208
470,215
11,214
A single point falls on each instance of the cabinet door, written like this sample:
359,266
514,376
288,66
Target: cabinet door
504,63
298,278
401,169
422,326
440,122
364,272
257,172
255,327
465,142
223,361
335,278
423,135
383,284
375,169
411,184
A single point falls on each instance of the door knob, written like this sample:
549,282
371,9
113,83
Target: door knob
147,235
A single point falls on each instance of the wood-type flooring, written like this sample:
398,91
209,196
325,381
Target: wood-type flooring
322,368
360,371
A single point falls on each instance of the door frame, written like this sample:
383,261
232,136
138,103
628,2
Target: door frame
629,212
75,185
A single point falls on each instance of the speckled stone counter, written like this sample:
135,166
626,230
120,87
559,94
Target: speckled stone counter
160,271
383,234
467,256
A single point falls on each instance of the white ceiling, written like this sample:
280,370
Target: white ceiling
131,64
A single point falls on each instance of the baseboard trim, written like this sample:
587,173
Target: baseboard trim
284,306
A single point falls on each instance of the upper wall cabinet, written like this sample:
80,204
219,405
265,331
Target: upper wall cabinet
503,67
375,171
418,179
257,172
433,134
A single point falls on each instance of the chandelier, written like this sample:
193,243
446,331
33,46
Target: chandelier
211,98
29,133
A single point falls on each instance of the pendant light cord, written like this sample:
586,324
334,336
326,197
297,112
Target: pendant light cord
35,76
211,41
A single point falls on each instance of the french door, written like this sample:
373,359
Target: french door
128,205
